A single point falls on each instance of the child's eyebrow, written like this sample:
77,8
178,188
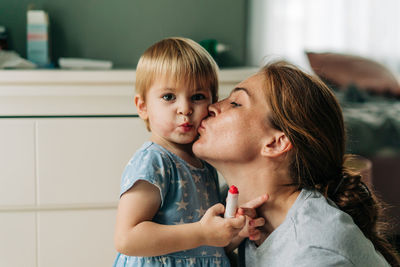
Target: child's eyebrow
166,88
200,89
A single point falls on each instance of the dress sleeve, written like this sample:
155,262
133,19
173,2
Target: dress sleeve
147,165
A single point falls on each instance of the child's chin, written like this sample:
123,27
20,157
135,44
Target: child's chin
187,141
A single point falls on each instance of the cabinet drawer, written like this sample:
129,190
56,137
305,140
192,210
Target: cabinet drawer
76,238
17,239
80,160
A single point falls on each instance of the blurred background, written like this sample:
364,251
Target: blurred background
121,30
58,117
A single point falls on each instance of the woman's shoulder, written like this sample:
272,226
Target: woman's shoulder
320,225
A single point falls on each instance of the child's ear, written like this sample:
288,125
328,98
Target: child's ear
141,107
276,145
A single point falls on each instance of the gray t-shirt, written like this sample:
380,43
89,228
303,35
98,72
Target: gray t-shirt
314,233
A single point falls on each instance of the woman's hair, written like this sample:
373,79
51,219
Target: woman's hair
307,111
181,59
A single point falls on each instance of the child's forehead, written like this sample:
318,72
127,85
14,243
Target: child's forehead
173,81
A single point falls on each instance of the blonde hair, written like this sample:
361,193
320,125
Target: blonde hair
183,60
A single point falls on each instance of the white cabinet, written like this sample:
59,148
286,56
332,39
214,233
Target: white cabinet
59,190
80,160
17,162
76,238
18,241
65,138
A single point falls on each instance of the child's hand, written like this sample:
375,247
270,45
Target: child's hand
252,221
218,231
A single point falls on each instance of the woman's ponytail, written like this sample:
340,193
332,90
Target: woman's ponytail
354,197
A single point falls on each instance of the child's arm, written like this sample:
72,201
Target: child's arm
252,222
137,235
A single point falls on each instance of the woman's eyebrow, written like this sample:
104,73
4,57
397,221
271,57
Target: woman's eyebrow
237,89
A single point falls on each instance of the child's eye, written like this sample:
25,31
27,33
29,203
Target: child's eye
198,97
234,104
168,97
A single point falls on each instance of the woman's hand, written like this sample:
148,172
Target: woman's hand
218,231
251,229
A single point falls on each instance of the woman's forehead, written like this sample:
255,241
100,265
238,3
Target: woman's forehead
252,86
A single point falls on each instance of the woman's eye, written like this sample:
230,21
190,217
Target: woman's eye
168,97
198,97
234,104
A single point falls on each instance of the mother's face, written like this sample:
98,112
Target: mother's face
237,125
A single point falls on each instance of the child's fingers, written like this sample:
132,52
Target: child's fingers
257,202
237,222
217,209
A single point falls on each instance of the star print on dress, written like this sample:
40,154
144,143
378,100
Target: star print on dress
206,196
185,199
181,205
163,260
180,222
192,261
196,178
160,171
201,212
178,165
217,254
182,183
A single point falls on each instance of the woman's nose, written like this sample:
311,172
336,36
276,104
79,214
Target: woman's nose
213,109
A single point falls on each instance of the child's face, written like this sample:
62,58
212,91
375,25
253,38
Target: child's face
175,110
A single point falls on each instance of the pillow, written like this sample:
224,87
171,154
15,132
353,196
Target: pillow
344,70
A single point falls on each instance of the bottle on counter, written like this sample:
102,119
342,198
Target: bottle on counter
38,38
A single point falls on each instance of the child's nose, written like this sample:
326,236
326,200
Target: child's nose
185,109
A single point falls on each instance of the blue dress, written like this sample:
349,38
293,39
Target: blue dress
186,193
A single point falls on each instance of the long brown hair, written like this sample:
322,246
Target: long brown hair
307,111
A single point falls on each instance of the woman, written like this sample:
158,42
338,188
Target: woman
281,131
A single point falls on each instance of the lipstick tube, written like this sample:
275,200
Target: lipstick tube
231,202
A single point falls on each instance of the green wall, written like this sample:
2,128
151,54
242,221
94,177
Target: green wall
120,30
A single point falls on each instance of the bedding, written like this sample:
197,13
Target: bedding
372,122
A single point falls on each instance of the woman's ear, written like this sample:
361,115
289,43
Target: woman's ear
276,145
141,107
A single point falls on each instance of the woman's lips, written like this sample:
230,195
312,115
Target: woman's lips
201,127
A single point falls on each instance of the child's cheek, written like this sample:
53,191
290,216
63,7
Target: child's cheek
204,112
